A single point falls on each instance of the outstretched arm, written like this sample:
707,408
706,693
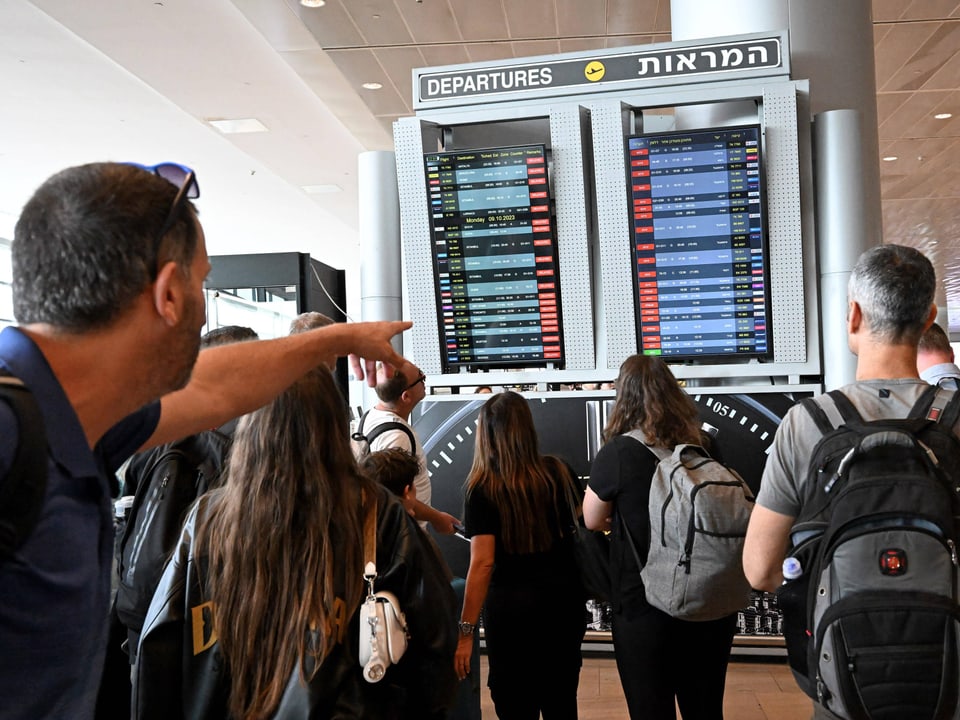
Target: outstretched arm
231,380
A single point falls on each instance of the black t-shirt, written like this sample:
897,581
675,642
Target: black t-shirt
621,474
554,567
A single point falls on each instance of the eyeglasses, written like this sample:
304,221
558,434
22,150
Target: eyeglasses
421,379
184,179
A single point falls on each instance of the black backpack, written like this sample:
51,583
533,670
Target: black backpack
872,625
360,442
23,488
169,479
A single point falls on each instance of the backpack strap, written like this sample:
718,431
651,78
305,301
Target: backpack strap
831,410
661,453
25,485
847,411
817,414
933,405
951,412
382,428
358,435
929,405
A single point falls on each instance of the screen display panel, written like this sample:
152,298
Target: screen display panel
700,254
495,258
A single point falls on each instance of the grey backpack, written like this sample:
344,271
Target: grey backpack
699,510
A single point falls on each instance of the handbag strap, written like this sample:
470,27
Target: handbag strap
370,541
633,546
570,494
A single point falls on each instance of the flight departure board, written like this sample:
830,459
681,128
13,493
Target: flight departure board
495,258
700,254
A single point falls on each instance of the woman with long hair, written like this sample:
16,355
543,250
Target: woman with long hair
518,518
659,658
268,578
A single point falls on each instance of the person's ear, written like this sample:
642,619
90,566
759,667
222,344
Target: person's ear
931,317
854,317
168,291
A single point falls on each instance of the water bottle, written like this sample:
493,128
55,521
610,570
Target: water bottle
791,569
121,507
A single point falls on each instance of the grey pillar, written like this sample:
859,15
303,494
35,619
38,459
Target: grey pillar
842,232
380,257
831,44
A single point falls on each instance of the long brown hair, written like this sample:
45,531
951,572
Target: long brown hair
284,532
649,399
509,469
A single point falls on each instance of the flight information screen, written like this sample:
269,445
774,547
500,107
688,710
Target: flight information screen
495,258
699,243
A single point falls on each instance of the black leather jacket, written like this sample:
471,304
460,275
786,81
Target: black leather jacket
173,681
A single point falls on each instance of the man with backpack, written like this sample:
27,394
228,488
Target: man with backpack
860,491
387,425
109,261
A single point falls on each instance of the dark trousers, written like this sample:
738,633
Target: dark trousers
533,647
554,696
660,658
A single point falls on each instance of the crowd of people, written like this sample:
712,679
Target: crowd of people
256,612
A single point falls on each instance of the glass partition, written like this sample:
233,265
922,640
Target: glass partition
267,310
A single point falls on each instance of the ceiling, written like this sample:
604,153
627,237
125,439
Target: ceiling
139,79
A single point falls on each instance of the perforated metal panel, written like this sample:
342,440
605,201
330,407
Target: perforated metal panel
613,231
418,283
784,219
600,326
566,138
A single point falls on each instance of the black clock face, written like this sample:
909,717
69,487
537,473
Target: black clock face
569,427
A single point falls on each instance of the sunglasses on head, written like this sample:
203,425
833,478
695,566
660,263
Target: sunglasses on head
184,178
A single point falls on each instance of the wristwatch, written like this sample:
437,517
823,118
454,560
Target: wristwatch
466,628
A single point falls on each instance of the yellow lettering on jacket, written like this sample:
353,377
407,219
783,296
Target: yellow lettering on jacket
204,635
338,620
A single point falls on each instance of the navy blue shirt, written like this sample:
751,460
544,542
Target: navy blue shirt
55,591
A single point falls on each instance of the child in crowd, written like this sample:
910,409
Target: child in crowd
395,469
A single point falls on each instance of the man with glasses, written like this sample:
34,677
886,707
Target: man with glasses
399,390
108,268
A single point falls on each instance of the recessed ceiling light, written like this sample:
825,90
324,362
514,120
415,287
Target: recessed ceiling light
371,86
943,116
890,158
239,125
313,3
321,189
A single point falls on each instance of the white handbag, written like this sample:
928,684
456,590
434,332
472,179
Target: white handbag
383,627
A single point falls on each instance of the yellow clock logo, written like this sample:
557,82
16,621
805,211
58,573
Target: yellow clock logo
594,70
